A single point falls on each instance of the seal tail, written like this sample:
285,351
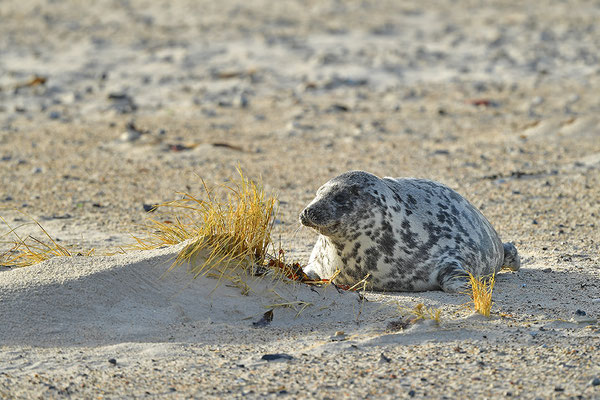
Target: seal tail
512,260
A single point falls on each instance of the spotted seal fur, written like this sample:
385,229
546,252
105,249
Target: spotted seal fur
409,234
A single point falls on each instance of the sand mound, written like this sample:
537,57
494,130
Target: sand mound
130,298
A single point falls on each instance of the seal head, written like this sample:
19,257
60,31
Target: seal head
339,204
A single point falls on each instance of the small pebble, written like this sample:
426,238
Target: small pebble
150,207
595,382
242,101
580,313
384,359
339,336
112,361
208,112
537,101
573,98
276,357
264,320
130,136
122,102
338,108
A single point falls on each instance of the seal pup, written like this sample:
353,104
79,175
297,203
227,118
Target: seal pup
409,234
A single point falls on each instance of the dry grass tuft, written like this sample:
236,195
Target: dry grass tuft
226,237
30,250
481,293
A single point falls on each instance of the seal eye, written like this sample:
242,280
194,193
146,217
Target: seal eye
339,198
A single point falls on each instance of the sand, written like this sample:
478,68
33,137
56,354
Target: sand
139,99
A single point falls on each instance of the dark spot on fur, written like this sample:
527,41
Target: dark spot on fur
355,236
442,217
387,240
372,256
355,249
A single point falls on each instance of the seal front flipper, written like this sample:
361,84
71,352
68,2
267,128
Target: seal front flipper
512,260
452,277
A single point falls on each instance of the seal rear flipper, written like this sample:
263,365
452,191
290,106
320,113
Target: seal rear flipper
512,260
452,277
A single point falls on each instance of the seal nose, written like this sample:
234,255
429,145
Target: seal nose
303,218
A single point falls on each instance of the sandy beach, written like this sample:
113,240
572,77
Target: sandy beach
110,107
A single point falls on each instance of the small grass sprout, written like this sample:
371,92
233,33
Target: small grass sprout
481,293
421,312
298,306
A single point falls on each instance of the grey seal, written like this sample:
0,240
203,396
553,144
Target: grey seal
409,234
